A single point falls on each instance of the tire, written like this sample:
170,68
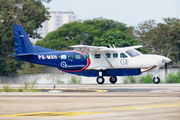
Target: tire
113,79
156,80
100,80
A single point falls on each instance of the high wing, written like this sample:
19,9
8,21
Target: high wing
102,50
97,49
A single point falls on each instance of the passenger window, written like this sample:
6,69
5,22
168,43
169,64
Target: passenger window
115,55
78,56
70,56
97,56
108,55
122,55
63,57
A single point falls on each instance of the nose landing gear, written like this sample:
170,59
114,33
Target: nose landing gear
156,80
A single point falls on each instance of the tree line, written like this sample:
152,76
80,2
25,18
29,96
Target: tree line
29,13
160,38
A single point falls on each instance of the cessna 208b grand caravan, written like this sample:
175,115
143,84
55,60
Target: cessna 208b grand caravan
91,61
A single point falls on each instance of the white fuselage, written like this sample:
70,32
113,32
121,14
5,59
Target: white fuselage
125,59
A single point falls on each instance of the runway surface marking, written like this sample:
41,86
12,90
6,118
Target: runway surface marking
65,114
51,114
90,90
170,91
142,107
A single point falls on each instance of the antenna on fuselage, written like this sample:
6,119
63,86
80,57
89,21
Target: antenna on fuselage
81,42
113,46
110,46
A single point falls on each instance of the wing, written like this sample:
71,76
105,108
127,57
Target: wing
88,48
95,49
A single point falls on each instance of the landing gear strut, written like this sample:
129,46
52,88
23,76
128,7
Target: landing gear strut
100,79
113,79
156,79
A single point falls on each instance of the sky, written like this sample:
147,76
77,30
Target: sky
130,12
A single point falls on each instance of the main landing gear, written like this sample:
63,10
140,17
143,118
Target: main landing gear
100,79
112,79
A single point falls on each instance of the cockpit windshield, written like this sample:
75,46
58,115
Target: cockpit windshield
86,56
133,53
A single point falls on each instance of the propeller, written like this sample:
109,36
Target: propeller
166,61
166,68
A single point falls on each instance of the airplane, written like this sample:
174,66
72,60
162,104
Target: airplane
90,61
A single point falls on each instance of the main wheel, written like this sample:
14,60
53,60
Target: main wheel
113,79
100,80
156,80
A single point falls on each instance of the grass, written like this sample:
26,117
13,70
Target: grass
142,79
173,77
74,80
20,90
130,79
59,82
146,78
28,87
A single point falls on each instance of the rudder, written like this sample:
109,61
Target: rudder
21,40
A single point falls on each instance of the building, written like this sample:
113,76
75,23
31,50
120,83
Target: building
58,18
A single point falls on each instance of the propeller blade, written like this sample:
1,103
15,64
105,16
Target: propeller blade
166,69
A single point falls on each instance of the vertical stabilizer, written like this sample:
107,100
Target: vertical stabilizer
22,42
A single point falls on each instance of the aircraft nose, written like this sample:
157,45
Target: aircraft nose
166,60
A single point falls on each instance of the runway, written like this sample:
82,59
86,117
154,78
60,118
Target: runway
111,102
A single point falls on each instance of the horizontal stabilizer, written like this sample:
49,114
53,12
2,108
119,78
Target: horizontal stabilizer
28,54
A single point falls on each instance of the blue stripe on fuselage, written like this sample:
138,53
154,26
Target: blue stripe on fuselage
109,72
55,59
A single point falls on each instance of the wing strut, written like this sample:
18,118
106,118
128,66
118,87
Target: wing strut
107,60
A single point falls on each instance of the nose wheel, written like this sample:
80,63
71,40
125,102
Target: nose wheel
156,80
100,80
113,79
